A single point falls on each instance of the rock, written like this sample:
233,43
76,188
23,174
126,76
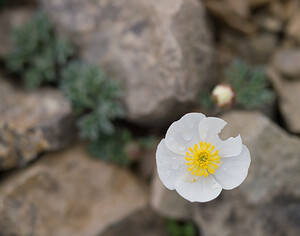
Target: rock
262,47
144,222
169,203
231,215
240,7
32,122
258,3
10,19
68,193
228,14
289,97
256,49
269,23
287,63
267,203
290,8
146,163
284,10
288,43
161,50
293,27
269,145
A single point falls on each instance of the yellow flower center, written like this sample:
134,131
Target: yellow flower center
203,159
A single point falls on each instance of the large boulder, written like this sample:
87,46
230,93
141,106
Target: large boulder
169,203
287,63
289,96
32,122
233,13
141,223
267,203
68,193
293,27
161,50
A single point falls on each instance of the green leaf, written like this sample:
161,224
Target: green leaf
146,142
96,98
250,85
206,100
37,48
89,126
111,148
181,229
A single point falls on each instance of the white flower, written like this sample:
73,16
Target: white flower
193,159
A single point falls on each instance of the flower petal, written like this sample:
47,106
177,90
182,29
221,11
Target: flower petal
230,147
170,165
234,170
209,128
183,133
203,190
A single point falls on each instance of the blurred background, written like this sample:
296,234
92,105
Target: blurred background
88,89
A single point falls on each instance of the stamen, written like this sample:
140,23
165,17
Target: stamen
203,161
191,150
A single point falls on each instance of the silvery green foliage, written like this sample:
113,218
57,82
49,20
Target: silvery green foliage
37,53
206,101
93,96
112,147
175,228
250,85
96,100
39,56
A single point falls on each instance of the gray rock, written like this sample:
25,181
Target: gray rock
293,27
287,63
267,203
258,3
262,47
32,122
233,13
241,8
68,193
289,97
275,157
10,19
269,23
160,49
169,203
231,215
256,49
141,223
146,163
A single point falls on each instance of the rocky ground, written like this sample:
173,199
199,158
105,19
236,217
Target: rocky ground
165,52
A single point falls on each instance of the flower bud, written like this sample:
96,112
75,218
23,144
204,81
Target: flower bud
223,95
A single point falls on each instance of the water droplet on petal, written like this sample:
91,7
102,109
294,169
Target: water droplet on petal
181,148
168,173
215,186
187,136
175,164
